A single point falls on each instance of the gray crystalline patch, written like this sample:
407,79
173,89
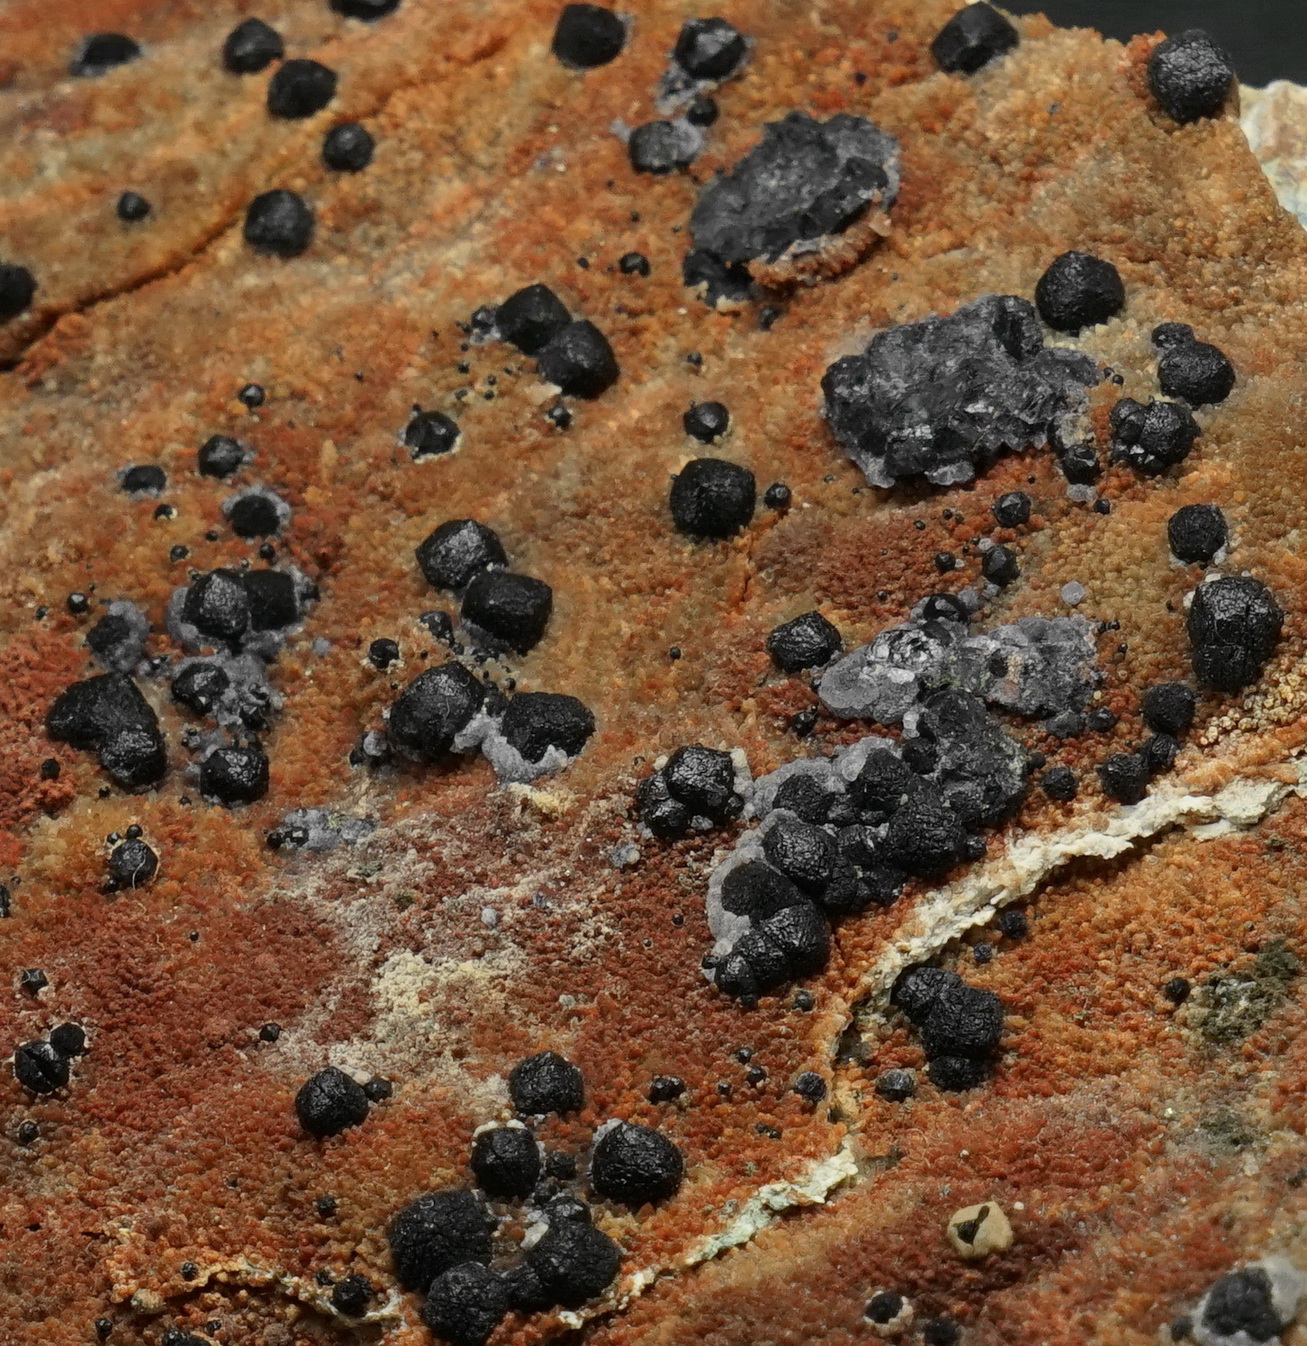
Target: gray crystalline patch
1065,724
806,180
475,731
684,141
129,627
250,700
742,781
848,761
882,681
510,766
1250,1306
375,746
943,397
482,733
623,857
321,830
1035,666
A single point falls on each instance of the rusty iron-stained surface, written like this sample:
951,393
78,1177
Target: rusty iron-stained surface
1137,1154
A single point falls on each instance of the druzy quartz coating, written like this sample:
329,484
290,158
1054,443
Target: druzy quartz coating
479,515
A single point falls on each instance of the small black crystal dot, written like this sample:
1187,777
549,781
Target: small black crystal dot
544,1083
1079,290
430,434
101,52
145,477
278,223
506,1162
811,1086
709,48
254,515
711,498
702,110
1190,76
665,1088
1059,783
251,46
378,1089
1177,990
382,653
1196,533
635,1165
348,148
972,38
350,1296
132,207
235,774
300,88
579,359
39,1068
1124,777
1168,708
17,289
707,421
1014,924
1012,510
587,36
329,1102
1000,565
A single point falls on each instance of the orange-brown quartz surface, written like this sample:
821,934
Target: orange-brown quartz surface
1137,1157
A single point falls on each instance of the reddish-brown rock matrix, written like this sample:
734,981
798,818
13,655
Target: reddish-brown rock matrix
1140,1149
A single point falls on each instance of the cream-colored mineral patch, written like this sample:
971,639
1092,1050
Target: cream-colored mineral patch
1275,121
977,1231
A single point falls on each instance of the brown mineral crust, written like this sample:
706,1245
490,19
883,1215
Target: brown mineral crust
492,171
221,147
1146,1158
34,668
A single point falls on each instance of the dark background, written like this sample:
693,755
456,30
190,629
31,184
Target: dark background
1266,38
